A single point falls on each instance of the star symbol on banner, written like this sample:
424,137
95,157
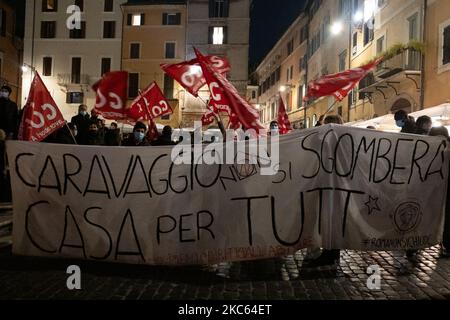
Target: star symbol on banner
372,205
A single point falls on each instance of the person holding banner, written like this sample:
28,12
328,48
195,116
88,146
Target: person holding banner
9,113
137,139
166,138
82,122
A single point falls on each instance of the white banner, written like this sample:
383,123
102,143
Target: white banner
337,187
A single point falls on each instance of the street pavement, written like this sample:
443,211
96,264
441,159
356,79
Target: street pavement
425,277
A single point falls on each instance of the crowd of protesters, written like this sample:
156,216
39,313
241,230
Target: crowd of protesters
85,129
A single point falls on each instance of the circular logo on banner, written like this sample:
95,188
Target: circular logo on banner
407,216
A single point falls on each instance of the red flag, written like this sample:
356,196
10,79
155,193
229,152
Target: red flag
284,125
41,116
150,104
339,84
152,134
224,93
111,95
189,73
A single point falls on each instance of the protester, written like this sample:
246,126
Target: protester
9,114
137,139
166,138
273,128
82,122
423,125
445,250
94,115
112,135
93,136
333,118
404,121
320,121
101,128
62,136
5,185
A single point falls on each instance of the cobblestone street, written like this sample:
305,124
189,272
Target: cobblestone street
425,278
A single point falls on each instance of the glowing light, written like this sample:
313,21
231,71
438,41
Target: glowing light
282,88
25,68
358,17
336,28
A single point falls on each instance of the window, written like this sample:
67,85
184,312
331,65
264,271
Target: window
109,29
355,43
380,45
368,32
278,74
253,94
219,8
49,5
287,74
79,4
109,6
74,97
47,66
290,47
303,34
170,50
325,28
135,50
291,73
133,85
78,33
48,29
106,66
76,70
171,19
300,96
2,22
413,27
217,35
168,86
342,60
137,19
343,6
446,47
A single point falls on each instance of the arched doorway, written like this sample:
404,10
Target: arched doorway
401,104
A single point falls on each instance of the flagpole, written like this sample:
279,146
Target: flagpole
218,120
71,134
331,107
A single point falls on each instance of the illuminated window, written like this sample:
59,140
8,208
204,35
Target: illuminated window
218,35
49,5
136,20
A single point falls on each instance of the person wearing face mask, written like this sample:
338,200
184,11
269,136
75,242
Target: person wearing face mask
273,127
82,122
137,139
407,123
112,135
9,114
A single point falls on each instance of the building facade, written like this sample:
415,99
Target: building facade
155,33
11,48
437,56
218,27
71,59
413,35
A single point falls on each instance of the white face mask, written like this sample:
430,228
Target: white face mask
4,94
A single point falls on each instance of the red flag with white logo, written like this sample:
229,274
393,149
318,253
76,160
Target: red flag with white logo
339,84
224,93
284,125
111,93
41,116
189,73
150,104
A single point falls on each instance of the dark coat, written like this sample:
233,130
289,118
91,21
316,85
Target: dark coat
82,123
130,142
9,117
112,137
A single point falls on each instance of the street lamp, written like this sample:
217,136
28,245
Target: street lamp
336,28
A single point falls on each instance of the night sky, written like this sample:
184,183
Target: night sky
269,20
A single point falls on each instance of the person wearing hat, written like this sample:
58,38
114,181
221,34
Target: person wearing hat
137,139
9,113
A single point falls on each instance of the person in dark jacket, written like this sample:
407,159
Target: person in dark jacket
137,139
9,114
112,135
404,121
166,138
82,121
93,137
61,136
423,125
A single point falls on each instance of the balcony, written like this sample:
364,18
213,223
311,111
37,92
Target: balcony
67,79
402,67
408,60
